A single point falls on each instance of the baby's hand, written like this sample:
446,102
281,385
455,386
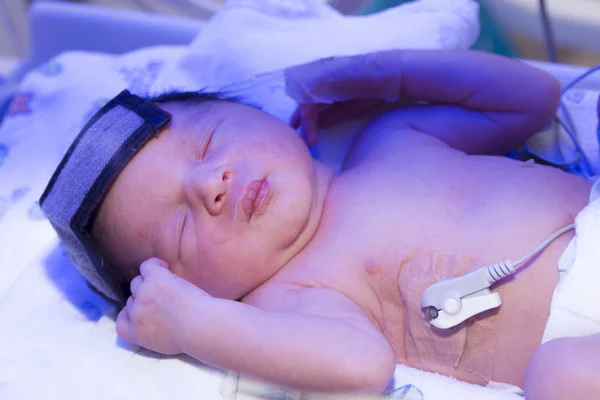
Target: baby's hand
310,118
155,313
336,89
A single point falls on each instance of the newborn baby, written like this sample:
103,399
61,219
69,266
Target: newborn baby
245,253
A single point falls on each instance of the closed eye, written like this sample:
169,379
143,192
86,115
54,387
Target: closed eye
206,141
182,223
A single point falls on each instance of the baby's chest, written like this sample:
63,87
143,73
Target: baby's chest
384,261
380,214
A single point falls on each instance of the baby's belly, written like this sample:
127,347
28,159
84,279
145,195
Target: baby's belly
492,346
524,313
549,200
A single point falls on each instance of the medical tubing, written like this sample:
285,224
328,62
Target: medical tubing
568,124
500,270
571,130
553,57
505,268
580,78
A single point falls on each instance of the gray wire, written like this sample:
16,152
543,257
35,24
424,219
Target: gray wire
569,126
542,246
548,33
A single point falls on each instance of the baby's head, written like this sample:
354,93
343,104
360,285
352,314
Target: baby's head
225,194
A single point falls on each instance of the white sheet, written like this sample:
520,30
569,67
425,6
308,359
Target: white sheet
57,338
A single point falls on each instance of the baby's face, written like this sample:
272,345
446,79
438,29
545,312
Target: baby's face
227,195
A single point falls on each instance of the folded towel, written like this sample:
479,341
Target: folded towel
250,37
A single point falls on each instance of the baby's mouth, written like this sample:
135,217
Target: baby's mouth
256,198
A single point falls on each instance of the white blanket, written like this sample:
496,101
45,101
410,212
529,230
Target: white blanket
57,338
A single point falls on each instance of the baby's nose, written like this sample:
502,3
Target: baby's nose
211,186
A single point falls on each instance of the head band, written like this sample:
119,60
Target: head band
102,149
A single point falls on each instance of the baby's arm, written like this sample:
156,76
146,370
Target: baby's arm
312,339
477,102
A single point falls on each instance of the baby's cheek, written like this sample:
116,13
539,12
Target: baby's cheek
222,249
259,148
288,219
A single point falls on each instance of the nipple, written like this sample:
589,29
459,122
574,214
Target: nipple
371,266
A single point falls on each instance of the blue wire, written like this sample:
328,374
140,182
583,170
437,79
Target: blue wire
572,132
580,78
552,55
568,123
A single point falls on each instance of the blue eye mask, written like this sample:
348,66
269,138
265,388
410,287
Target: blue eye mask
102,149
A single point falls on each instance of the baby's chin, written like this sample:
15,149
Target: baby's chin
232,293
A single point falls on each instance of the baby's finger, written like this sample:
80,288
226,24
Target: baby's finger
135,285
309,131
158,261
310,114
129,304
123,325
296,118
346,110
151,266
161,263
